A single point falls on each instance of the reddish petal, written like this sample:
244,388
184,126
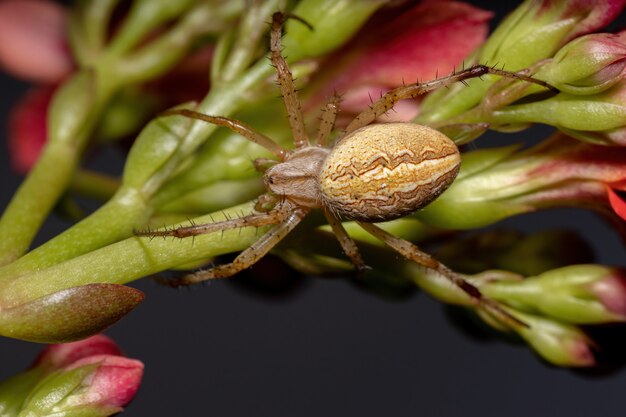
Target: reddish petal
596,14
27,128
32,40
429,39
617,203
64,354
399,46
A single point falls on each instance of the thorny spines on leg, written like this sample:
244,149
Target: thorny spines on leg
389,99
249,256
274,216
286,83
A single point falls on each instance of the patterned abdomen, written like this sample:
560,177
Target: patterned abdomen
385,171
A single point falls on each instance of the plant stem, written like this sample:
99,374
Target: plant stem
128,260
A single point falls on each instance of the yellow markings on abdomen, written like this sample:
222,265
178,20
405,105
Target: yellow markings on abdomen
382,172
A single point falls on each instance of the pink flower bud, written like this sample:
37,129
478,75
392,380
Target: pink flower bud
113,383
32,40
84,378
611,292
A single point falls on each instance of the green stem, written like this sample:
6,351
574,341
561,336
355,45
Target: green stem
128,260
74,111
112,222
33,200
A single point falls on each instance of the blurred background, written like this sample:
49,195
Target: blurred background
322,347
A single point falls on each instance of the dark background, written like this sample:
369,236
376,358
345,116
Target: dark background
331,349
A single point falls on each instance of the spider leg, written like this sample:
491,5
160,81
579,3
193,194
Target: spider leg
234,125
329,114
251,220
413,253
389,99
347,244
286,84
249,256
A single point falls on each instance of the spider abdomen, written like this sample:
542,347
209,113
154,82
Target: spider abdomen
385,171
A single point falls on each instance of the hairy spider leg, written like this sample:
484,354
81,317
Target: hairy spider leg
286,84
234,125
347,244
389,99
250,255
327,120
413,253
251,220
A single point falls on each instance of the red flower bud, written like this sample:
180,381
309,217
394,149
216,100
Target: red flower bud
113,383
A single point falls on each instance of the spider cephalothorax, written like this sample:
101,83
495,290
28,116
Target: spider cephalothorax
374,172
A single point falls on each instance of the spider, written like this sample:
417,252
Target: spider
374,173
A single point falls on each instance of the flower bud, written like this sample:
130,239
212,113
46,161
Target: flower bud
501,182
85,378
587,65
98,385
533,32
69,314
581,294
595,118
537,29
558,343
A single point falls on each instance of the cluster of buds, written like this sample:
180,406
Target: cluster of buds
102,73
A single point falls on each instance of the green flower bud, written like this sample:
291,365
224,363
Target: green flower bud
69,314
558,343
587,65
533,32
581,294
